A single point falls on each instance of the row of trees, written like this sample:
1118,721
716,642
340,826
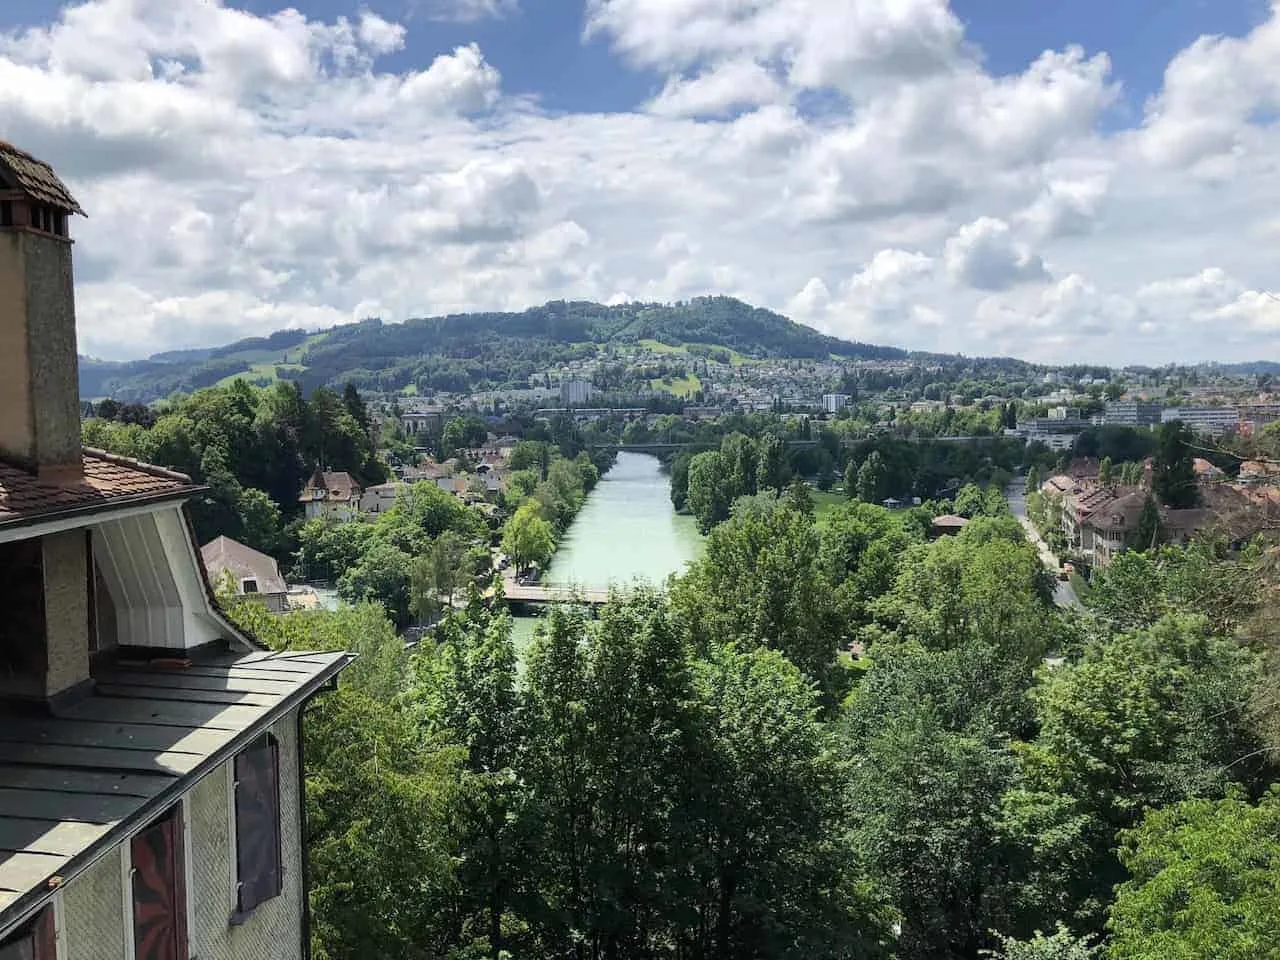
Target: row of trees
704,772
547,491
254,448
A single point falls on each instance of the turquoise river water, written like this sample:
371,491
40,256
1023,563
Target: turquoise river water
626,531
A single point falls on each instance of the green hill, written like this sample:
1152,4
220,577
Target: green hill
470,351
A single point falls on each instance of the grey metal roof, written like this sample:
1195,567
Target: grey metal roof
35,178
76,784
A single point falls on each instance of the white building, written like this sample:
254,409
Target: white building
575,393
831,402
1207,420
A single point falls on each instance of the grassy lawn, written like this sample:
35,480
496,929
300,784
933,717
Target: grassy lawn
826,501
681,387
657,346
295,354
260,374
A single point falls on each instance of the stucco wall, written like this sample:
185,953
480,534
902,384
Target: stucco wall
18,424
55,381
93,912
66,609
274,930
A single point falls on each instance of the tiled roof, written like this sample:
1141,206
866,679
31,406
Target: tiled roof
35,178
338,483
244,562
107,480
74,784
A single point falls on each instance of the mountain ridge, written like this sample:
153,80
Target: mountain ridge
472,350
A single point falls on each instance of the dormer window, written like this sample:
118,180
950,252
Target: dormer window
249,585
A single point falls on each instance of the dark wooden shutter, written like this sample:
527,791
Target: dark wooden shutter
257,791
159,891
37,941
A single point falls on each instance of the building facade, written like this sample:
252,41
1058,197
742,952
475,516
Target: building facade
1210,421
150,772
331,495
834,402
576,393
1133,413
250,573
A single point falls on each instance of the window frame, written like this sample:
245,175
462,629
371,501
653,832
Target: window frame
50,914
180,810
239,912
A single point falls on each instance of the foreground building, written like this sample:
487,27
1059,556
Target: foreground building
150,753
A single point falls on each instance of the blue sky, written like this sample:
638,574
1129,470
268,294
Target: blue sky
1057,180
540,50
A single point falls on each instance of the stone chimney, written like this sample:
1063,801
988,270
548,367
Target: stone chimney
39,370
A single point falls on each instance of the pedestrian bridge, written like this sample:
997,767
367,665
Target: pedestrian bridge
539,593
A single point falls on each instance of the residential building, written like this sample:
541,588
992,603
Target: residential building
946,525
1211,421
381,497
1038,427
576,393
252,574
834,402
150,771
422,423
332,495
1133,413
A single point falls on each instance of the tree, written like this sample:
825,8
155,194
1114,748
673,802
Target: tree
438,575
1203,883
873,479
1106,472
742,459
970,501
1174,479
380,576
259,520
528,538
851,479
760,583
355,405
1150,530
771,469
710,489
680,480
1033,481
1061,945
799,498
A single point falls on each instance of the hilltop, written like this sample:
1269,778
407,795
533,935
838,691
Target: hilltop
471,351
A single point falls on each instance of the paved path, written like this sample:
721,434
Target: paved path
542,593
1063,593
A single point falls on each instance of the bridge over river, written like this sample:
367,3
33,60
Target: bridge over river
549,593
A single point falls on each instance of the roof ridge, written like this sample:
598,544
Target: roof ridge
135,464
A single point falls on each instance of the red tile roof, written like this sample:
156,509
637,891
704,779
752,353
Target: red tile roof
108,480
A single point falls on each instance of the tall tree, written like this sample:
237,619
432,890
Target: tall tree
1106,472
527,537
1174,479
873,479
710,489
771,467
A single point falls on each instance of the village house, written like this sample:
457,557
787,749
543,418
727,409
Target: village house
331,495
151,797
252,574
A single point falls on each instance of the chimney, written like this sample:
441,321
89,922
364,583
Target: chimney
39,371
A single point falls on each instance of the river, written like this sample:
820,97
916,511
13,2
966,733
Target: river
626,531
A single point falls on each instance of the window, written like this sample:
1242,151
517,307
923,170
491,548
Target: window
259,872
159,890
249,585
38,940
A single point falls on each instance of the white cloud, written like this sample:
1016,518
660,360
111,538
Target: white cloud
246,172
466,11
984,255
719,90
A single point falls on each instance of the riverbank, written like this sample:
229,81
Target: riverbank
626,532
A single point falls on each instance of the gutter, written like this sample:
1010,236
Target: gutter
28,904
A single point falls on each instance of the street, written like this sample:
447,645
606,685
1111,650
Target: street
1063,594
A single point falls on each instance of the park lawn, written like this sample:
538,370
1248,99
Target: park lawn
680,387
826,501
657,346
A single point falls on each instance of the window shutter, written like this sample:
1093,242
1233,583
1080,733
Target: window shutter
159,891
257,796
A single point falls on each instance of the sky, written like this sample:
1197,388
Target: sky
1062,181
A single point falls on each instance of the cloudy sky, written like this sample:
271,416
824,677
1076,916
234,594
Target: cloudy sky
1057,180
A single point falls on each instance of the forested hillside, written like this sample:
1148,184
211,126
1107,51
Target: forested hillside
466,351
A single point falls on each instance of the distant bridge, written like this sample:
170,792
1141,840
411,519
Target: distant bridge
661,448
539,593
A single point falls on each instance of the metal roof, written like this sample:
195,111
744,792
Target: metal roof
35,178
76,784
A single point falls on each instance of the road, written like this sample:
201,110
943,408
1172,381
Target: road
1063,594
